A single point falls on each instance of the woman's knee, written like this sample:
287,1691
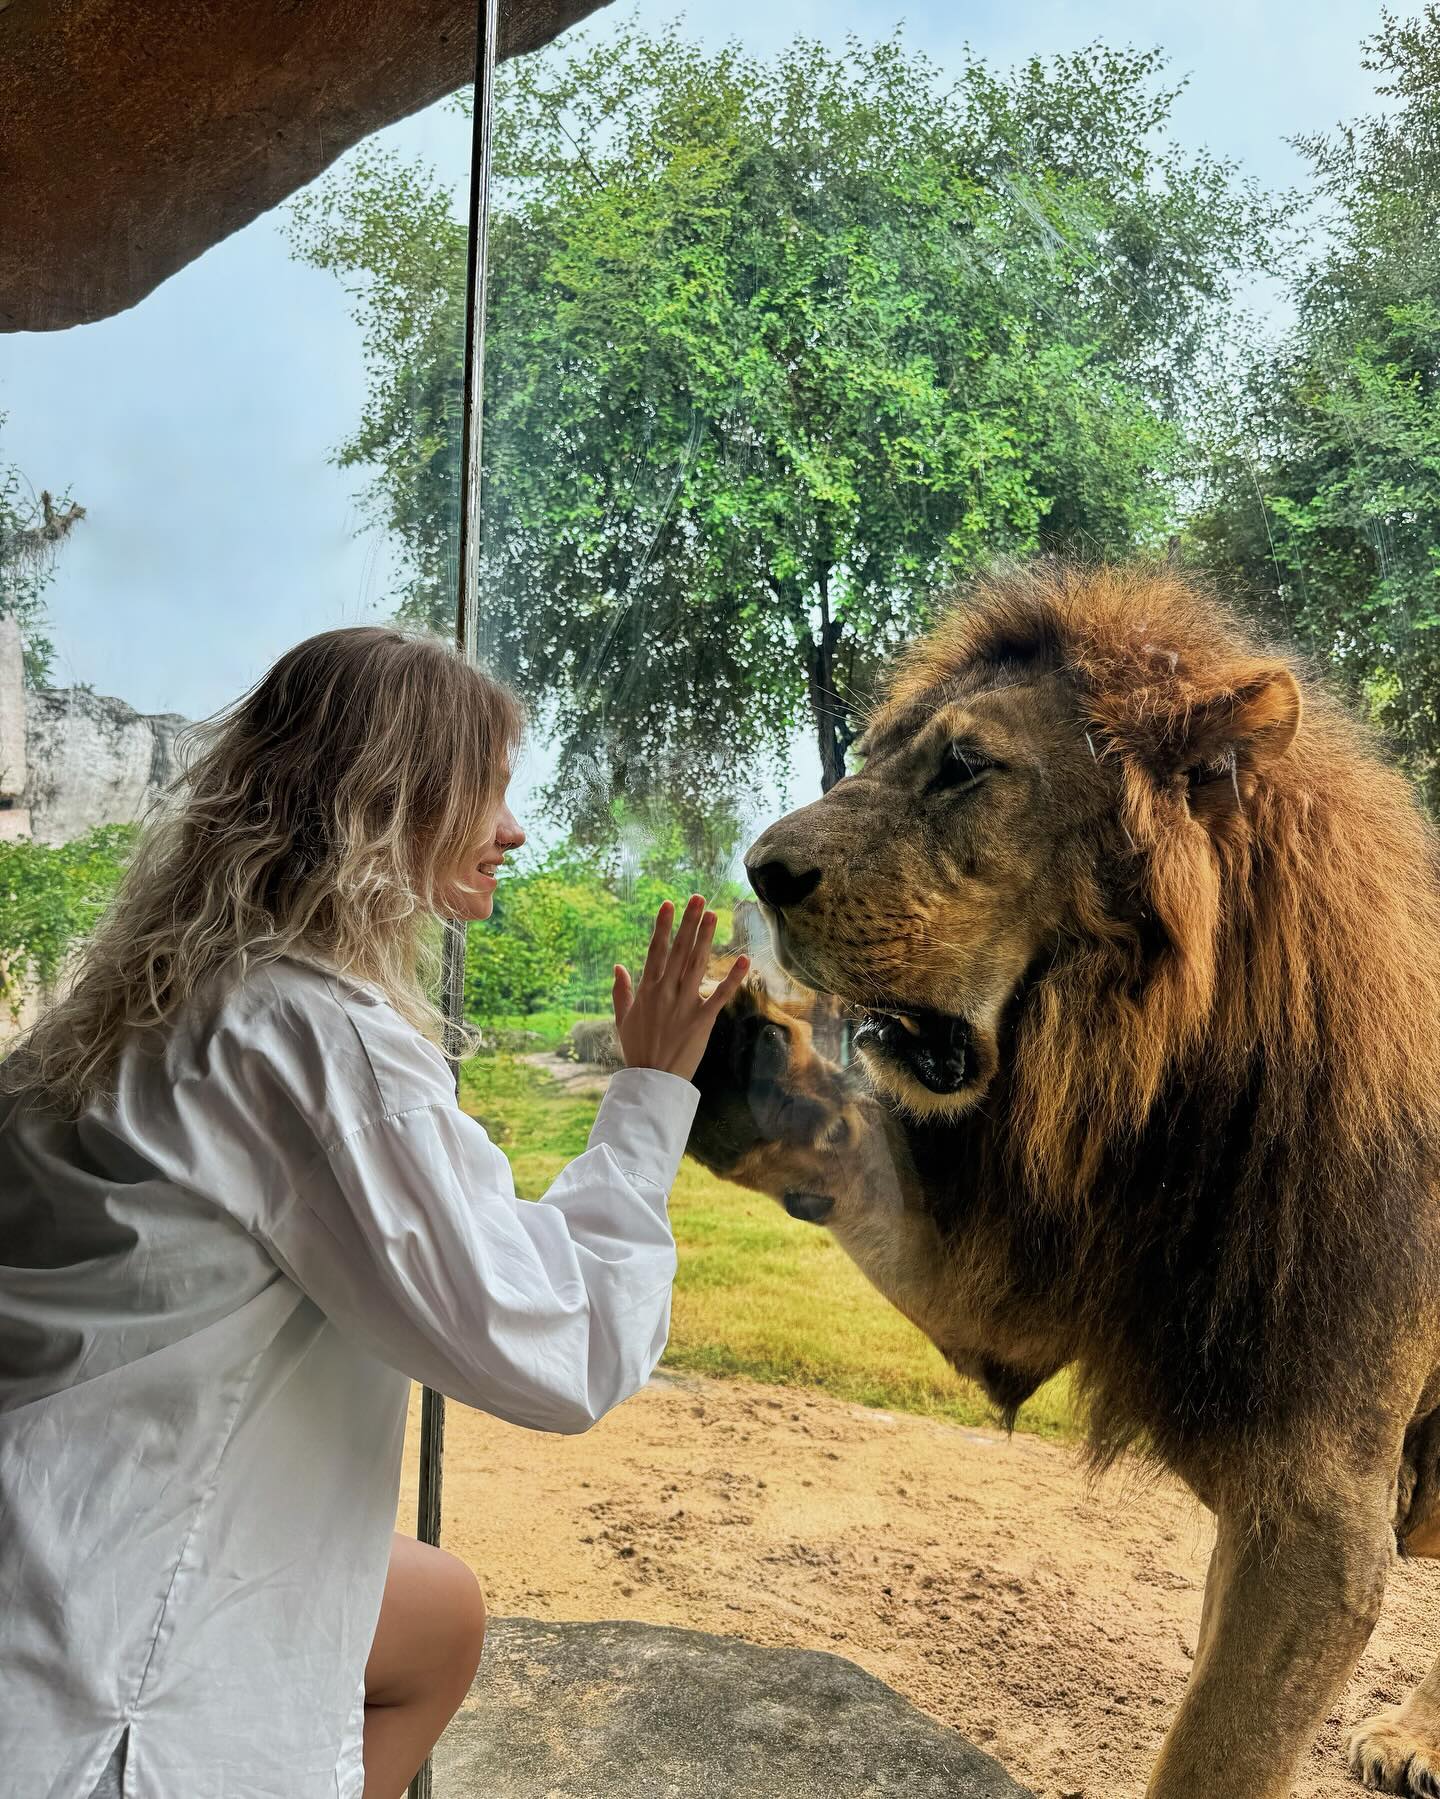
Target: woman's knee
457,1615
467,1613
432,1624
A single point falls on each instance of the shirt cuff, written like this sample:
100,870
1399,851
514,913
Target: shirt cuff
645,1118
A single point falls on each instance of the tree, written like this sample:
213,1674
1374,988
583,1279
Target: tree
559,928
31,532
1324,499
525,956
774,352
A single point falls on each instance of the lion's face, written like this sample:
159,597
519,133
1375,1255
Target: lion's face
924,887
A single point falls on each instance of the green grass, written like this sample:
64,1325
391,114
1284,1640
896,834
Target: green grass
757,1293
530,1116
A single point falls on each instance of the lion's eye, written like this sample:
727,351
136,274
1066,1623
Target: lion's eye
961,767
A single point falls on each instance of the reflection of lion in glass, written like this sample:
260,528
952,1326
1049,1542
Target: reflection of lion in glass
1146,970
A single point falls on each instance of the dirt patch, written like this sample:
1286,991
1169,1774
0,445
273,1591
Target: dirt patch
1049,1619
582,1078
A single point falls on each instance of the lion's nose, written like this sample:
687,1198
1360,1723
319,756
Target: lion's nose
780,885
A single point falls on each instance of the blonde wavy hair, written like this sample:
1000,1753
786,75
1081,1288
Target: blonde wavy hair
317,818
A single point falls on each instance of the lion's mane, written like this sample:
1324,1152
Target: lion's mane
1212,1147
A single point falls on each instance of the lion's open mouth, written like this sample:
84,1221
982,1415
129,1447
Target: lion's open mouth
937,1050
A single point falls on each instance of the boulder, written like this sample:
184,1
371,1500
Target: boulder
750,935
644,1711
593,1041
137,134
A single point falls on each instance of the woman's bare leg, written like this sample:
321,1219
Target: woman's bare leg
426,1650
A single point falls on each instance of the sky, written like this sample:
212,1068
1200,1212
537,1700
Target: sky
197,428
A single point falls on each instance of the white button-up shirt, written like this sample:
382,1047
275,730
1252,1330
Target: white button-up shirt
215,1290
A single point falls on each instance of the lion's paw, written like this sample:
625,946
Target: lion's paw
1390,1755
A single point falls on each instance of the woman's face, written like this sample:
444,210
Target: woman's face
468,892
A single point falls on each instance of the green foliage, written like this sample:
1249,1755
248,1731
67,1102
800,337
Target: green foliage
1325,495
521,1033
558,930
399,248
32,528
524,955
546,955
50,898
774,351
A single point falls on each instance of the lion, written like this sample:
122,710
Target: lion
1142,944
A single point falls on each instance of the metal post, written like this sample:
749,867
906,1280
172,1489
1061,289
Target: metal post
432,1404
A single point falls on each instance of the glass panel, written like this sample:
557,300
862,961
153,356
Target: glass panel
794,332
830,360
190,487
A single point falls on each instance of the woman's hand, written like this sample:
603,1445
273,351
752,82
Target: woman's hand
664,1023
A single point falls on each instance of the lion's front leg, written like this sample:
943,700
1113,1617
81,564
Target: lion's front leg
1288,1609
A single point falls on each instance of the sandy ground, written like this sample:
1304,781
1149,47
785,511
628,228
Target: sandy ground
575,1077
1050,1619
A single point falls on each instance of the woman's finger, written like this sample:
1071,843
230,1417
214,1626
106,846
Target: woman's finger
659,950
622,994
738,970
700,955
684,945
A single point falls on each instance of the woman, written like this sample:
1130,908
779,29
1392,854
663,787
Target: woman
240,1211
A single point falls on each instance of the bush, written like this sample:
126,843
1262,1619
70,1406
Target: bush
50,899
510,1040
594,1042
524,955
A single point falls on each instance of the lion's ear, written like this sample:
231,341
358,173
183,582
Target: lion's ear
1252,724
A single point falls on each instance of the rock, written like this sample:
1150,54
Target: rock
92,761
137,134
750,935
643,1711
592,1041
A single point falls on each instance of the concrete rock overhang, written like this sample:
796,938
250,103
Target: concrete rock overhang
134,135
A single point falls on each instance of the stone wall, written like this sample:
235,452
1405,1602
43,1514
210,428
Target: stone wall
14,819
71,760
92,761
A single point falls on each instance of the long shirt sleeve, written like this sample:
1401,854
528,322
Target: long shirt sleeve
407,1233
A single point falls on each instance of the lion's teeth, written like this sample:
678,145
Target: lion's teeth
909,1024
